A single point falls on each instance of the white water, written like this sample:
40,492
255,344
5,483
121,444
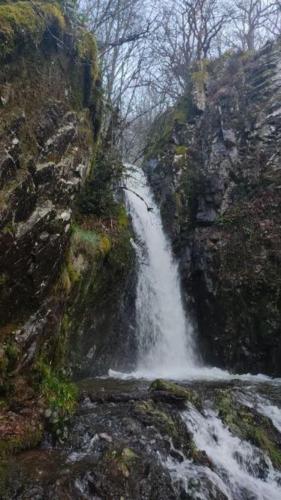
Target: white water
240,470
165,337
167,349
263,407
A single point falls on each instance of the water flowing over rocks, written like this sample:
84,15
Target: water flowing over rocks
129,440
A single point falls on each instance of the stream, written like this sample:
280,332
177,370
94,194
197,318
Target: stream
211,435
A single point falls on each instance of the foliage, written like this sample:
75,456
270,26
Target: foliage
123,221
60,397
15,444
161,131
98,196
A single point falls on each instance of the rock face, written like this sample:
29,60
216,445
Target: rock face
54,261
43,150
218,183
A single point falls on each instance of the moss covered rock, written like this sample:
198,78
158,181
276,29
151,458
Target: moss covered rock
249,425
49,123
174,392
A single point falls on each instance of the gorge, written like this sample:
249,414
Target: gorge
140,305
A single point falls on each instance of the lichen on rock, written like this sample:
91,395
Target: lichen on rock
48,139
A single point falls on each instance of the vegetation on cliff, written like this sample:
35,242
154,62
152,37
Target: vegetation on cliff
48,141
216,176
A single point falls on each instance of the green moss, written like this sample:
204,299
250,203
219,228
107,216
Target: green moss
90,243
85,241
121,461
247,425
3,279
97,197
24,21
105,245
27,440
59,394
260,438
168,423
13,353
190,189
60,349
72,272
158,417
121,255
123,220
181,150
9,356
3,365
88,52
200,76
175,390
160,134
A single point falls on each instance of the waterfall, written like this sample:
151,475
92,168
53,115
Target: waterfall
167,348
165,338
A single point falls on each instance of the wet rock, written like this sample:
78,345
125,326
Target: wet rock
45,172
174,393
58,144
106,437
216,203
145,463
7,169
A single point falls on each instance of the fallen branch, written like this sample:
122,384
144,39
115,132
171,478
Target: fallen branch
149,209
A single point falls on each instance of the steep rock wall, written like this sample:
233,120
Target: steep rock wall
217,178
55,261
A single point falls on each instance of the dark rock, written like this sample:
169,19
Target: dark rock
7,169
44,173
221,207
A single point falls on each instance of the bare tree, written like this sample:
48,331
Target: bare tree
122,28
253,21
188,32
273,23
149,49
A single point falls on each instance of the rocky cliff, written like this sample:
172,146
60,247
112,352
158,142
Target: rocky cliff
215,169
61,266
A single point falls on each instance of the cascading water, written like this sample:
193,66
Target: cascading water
237,470
240,471
165,336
